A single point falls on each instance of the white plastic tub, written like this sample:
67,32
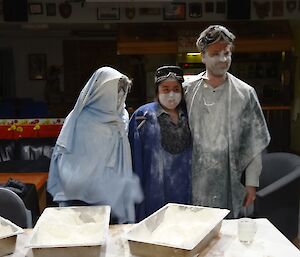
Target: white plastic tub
8,236
175,230
70,231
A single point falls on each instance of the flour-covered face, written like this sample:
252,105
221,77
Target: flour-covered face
169,94
123,89
217,58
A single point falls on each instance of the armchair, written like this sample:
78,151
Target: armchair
13,208
279,192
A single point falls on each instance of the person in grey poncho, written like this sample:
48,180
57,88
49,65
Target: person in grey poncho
228,128
91,161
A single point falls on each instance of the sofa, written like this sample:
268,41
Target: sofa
26,154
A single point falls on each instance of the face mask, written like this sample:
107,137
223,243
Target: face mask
170,100
218,64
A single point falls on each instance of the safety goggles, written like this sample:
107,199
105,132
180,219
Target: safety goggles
169,72
215,33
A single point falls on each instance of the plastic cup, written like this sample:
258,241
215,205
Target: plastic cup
246,230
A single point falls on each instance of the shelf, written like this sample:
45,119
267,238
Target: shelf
276,108
179,37
255,45
146,47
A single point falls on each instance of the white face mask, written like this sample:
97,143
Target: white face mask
217,64
170,100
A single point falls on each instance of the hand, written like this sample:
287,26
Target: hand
251,195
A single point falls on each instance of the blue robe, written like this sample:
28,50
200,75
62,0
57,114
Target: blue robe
91,161
165,177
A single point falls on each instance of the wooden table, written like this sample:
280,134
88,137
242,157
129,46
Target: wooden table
268,242
39,179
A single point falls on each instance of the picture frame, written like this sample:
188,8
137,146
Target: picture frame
149,11
35,8
220,7
209,7
51,9
108,13
37,66
195,10
1,7
291,6
174,11
277,8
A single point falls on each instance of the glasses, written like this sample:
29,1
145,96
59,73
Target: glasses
215,33
166,72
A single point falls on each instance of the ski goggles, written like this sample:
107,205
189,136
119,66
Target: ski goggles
215,33
169,72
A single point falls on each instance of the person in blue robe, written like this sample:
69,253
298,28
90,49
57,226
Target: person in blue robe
161,145
91,161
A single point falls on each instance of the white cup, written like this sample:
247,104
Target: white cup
246,230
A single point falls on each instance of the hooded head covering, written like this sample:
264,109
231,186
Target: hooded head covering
99,97
91,161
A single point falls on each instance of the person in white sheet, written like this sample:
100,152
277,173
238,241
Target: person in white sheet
91,161
228,128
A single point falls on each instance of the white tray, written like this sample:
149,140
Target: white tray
8,236
175,230
70,231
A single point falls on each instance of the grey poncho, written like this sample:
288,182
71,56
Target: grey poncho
228,130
